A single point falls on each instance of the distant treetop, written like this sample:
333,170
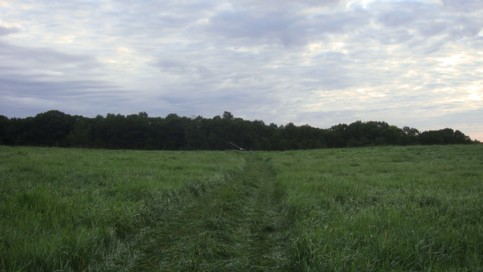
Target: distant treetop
139,131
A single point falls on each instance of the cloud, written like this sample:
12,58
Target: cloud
251,28
415,63
281,26
46,78
465,6
426,27
7,30
35,57
184,69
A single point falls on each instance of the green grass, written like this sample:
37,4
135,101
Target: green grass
71,209
386,208
416,208
235,227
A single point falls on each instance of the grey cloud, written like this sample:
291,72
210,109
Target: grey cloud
256,27
270,4
276,6
395,37
63,94
23,96
422,26
28,86
172,65
41,58
329,72
338,22
31,77
434,28
401,14
181,67
464,5
466,26
7,30
283,26
415,17
159,18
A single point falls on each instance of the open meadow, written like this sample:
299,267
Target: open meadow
414,208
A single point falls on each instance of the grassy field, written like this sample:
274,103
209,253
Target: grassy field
385,209
415,208
72,209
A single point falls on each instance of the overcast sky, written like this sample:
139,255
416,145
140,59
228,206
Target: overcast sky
416,63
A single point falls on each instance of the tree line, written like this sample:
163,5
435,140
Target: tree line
173,132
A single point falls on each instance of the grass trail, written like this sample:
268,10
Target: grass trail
236,226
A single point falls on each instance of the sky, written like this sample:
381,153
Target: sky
416,63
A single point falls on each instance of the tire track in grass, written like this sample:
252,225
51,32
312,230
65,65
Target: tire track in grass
267,227
236,226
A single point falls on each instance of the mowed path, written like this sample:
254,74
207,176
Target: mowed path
234,226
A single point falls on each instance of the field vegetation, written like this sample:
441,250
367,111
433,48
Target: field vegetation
414,208
385,209
72,209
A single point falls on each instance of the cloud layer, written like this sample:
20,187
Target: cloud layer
415,62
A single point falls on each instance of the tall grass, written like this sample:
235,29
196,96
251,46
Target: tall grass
72,209
412,208
385,208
